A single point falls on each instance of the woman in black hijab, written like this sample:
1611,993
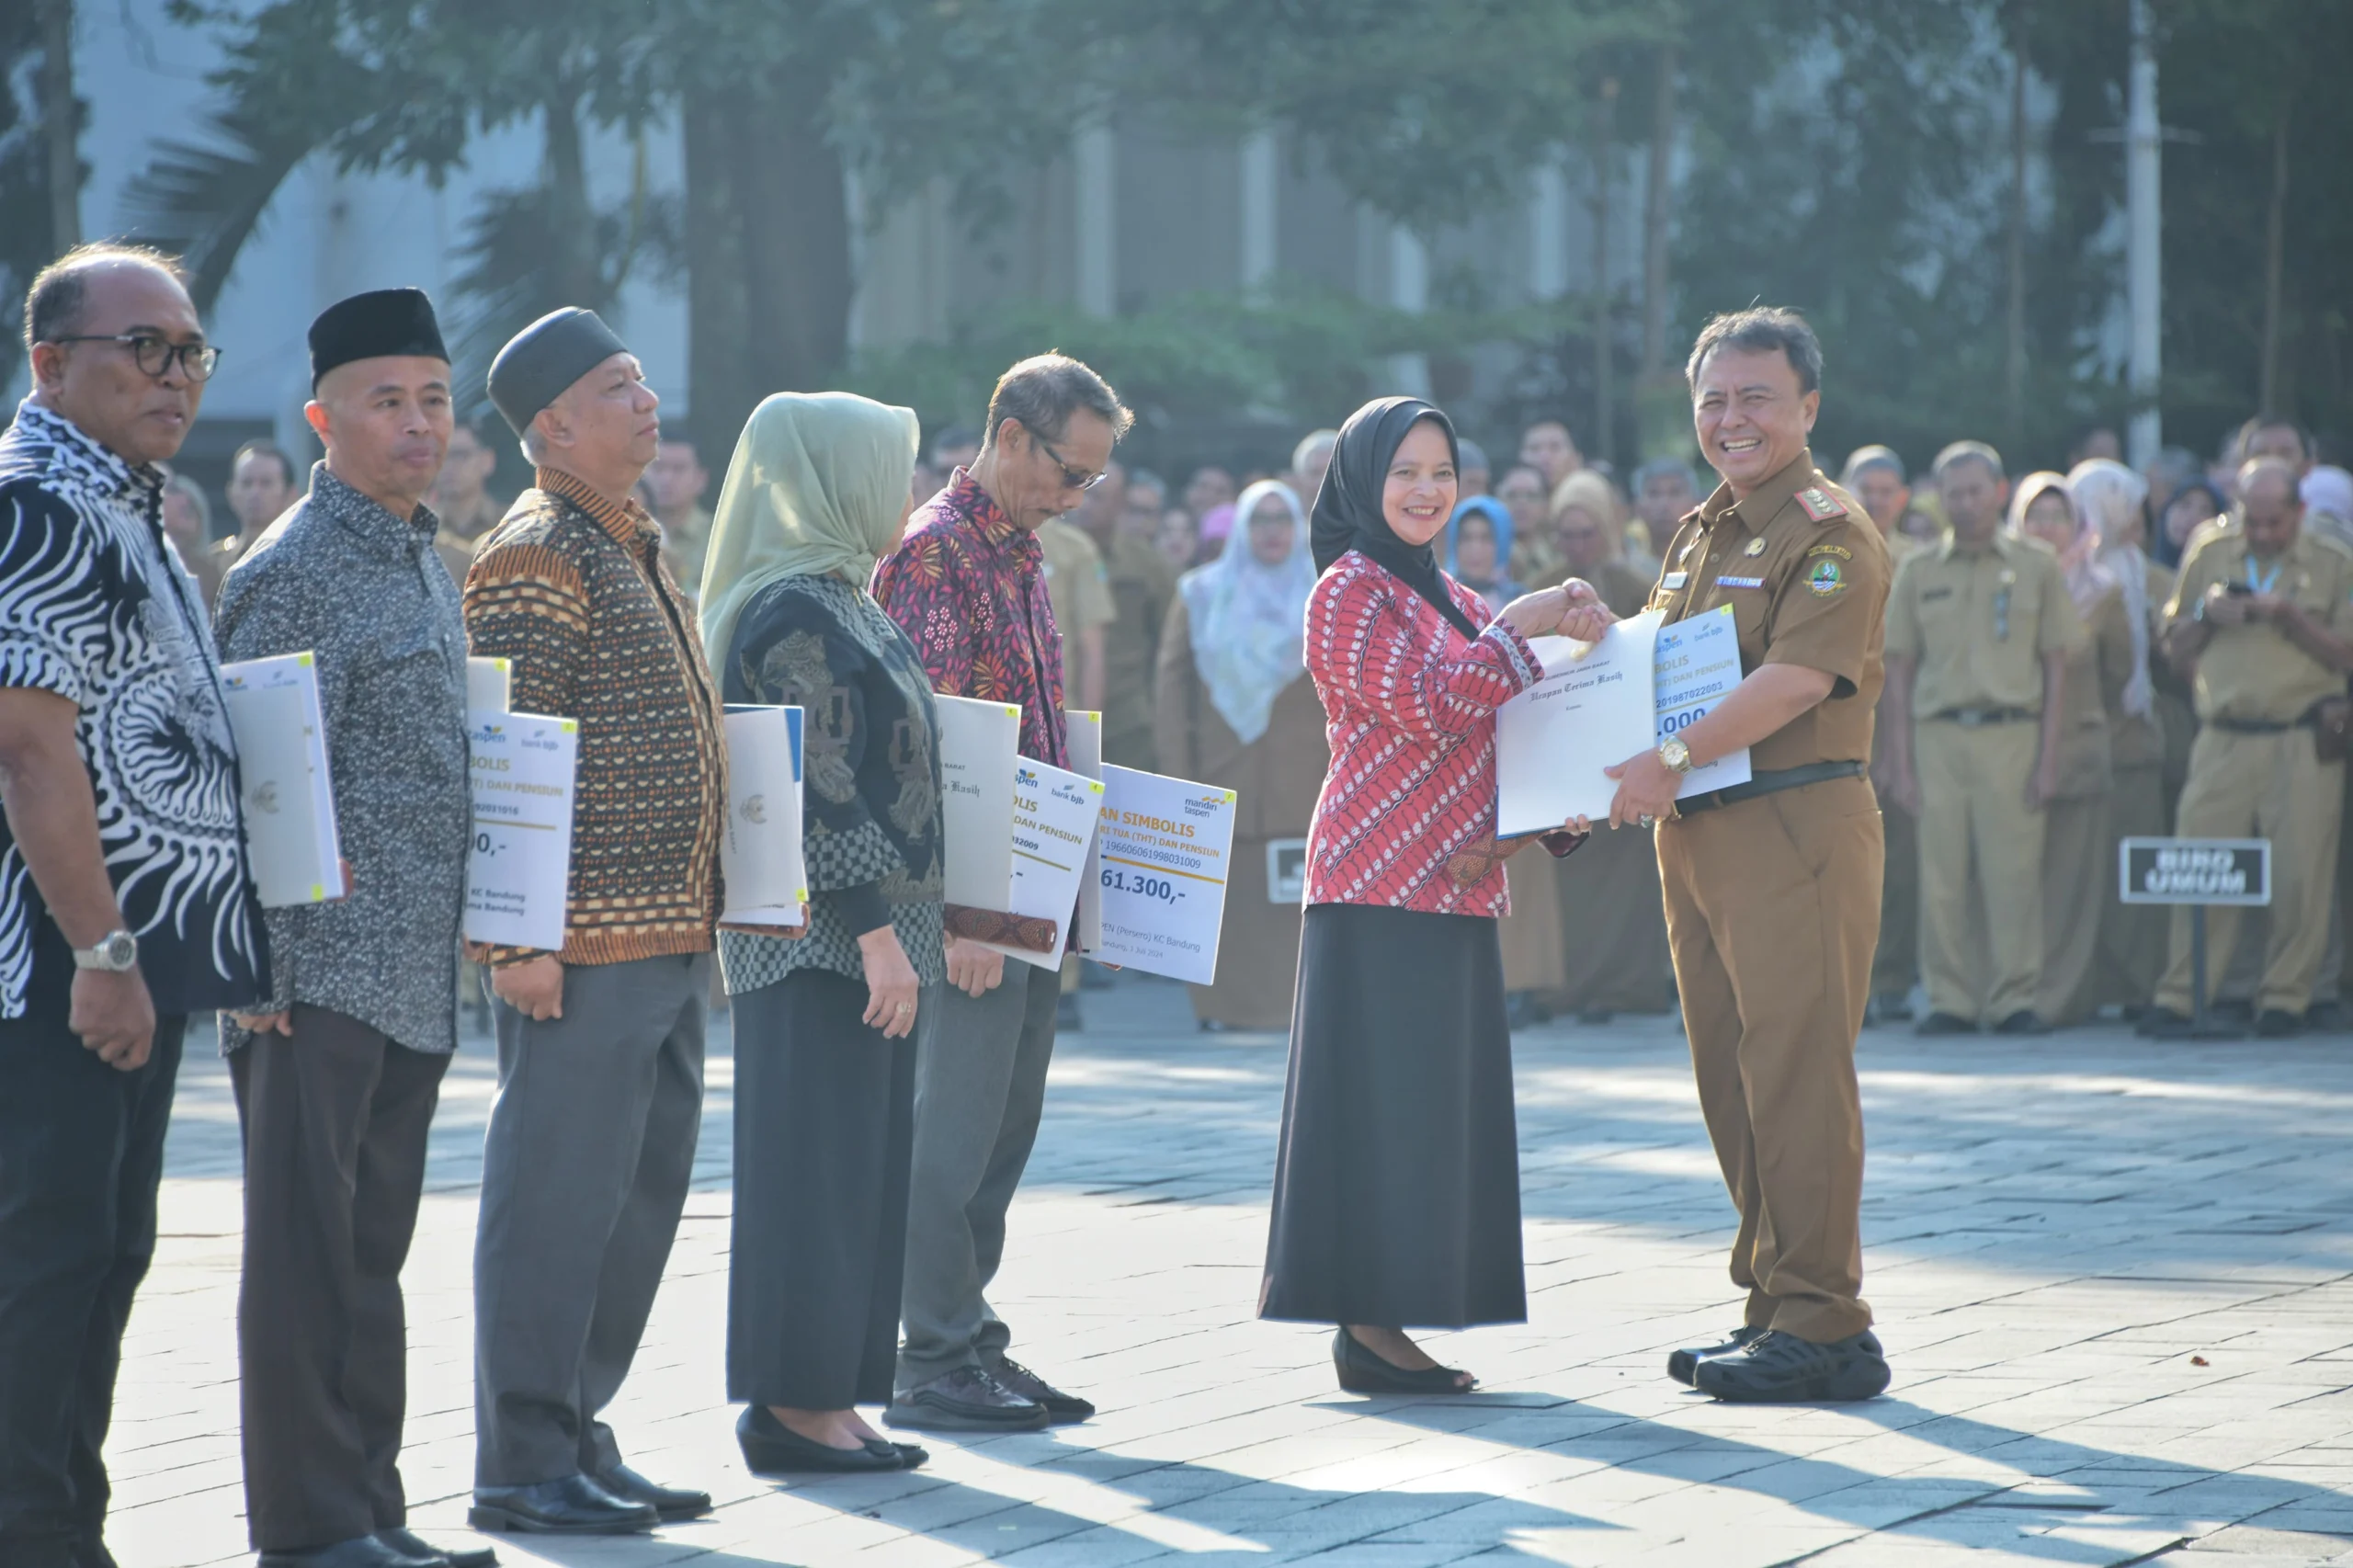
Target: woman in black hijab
1397,1190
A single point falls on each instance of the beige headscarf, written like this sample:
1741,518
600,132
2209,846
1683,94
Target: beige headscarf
816,487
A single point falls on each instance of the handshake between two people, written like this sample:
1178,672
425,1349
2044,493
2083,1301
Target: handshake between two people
1572,609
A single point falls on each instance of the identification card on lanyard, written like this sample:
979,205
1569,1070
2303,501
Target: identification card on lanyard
2263,585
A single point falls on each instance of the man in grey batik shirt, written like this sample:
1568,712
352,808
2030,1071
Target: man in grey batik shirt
337,1075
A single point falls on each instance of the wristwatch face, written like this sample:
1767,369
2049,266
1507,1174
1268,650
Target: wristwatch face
119,951
1675,754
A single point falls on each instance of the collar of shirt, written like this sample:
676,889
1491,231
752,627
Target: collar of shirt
78,457
373,523
631,526
1764,502
2003,546
979,513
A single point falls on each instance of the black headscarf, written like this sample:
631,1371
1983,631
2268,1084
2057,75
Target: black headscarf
1347,508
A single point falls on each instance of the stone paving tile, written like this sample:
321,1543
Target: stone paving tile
2055,1228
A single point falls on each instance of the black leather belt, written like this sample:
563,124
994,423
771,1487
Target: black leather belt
2264,726
1768,783
1970,717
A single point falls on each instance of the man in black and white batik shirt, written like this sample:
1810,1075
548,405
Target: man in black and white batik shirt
125,903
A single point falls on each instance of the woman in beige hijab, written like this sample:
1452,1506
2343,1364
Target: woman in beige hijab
825,1042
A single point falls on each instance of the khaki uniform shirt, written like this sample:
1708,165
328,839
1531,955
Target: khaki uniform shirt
1075,582
1142,583
683,548
2254,674
1805,574
1977,623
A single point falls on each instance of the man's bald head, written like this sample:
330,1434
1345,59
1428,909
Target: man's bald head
58,301
2269,510
90,318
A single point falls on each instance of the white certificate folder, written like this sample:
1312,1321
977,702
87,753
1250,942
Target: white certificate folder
287,794
762,855
518,877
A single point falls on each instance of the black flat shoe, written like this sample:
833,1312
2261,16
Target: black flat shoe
771,1448
570,1504
1782,1368
408,1545
1682,1364
912,1456
1363,1371
669,1502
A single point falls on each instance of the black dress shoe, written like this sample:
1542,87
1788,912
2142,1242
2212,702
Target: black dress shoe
2278,1023
572,1505
966,1400
1944,1023
1059,1407
771,1448
1782,1368
2161,1023
1362,1371
670,1502
359,1552
1681,1364
912,1456
2025,1021
408,1545
2324,1018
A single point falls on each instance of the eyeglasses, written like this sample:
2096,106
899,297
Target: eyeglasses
1072,478
154,354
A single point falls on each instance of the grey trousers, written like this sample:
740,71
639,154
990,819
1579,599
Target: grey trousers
584,1172
980,1086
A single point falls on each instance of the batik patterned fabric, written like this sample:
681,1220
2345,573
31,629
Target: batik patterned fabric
96,608
967,588
365,593
871,788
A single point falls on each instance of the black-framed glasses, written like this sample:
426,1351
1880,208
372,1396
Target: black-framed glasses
154,355
1072,478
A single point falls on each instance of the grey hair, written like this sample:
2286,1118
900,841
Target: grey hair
1310,444
1041,392
1863,460
1760,329
1657,466
1967,451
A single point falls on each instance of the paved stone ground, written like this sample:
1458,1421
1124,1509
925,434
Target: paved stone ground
2116,1280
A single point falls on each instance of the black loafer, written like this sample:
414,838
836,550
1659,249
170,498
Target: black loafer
1362,1371
912,1456
1782,1368
2025,1021
2160,1023
408,1545
1021,1379
966,1400
1682,1364
572,1505
669,1502
771,1448
1944,1023
2278,1023
359,1552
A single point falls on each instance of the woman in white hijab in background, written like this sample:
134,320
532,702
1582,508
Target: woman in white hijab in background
2108,499
1231,708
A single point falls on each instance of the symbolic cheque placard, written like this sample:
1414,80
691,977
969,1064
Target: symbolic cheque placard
1053,837
761,858
1595,707
1166,847
288,796
518,876
1697,665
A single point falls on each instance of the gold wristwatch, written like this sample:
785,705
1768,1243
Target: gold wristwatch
1675,754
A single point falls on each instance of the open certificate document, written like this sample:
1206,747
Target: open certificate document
1166,847
1053,830
518,878
1698,665
760,859
1595,707
289,796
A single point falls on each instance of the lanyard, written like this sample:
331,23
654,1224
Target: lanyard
2263,585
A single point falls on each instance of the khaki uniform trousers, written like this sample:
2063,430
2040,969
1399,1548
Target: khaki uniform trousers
2263,787
1981,867
1772,911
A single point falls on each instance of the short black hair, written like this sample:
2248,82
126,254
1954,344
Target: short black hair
53,303
2262,422
1760,329
1044,390
270,450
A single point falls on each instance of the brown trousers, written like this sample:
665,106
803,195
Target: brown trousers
1772,911
335,1117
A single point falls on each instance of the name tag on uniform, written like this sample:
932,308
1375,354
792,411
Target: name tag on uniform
1740,582
1674,580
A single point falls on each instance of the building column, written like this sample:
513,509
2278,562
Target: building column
1548,232
1095,212
1260,213
1409,290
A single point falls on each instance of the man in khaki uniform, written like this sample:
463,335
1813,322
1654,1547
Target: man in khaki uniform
1121,516
1978,629
1875,476
2266,611
1081,594
1772,886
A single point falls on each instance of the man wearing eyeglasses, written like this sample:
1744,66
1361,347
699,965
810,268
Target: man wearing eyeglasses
968,586
125,899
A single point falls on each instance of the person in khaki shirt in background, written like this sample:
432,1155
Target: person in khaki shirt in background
1772,886
1875,476
1080,591
2265,612
1978,629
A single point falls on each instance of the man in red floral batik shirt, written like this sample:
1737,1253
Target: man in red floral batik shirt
968,586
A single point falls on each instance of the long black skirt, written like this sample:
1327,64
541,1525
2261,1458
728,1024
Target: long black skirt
824,1118
1397,1188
